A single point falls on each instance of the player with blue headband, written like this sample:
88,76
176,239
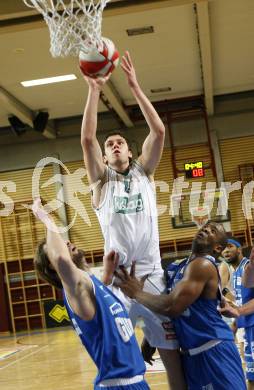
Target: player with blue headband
244,299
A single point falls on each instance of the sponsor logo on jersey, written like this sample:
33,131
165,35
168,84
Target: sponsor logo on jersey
170,336
128,205
116,308
167,326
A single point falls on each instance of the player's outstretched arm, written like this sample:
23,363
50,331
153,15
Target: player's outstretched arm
153,144
232,311
224,274
110,263
73,279
182,296
91,149
57,249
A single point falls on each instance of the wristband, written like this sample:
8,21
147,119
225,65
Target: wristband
225,291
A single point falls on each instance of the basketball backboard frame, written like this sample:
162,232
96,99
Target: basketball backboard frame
182,207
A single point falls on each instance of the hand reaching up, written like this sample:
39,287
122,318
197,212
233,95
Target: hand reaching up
129,70
40,213
96,83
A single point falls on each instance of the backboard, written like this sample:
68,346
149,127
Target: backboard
196,207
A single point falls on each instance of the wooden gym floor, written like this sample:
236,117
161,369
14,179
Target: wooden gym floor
52,360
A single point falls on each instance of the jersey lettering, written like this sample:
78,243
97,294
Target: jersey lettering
128,205
208,387
125,328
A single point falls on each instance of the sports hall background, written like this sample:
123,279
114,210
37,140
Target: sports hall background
188,55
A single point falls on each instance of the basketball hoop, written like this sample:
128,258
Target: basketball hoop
200,215
74,25
199,206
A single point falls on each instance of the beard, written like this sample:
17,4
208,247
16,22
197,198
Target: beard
79,260
202,247
233,260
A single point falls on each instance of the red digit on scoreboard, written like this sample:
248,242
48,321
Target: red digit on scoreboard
198,172
195,173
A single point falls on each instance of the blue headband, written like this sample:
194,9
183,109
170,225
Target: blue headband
234,242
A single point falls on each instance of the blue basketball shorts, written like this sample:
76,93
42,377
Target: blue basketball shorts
249,352
218,368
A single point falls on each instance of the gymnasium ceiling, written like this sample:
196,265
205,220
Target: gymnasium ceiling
202,46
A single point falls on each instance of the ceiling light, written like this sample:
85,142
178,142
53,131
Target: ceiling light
140,30
160,90
48,80
19,50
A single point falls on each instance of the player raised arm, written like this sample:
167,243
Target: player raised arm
91,149
75,282
154,142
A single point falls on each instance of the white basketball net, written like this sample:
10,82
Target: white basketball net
74,25
200,215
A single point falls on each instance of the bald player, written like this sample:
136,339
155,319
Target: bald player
210,357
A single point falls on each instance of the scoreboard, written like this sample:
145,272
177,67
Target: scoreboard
194,170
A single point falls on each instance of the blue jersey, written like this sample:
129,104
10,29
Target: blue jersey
243,294
171,271
109,337
200,322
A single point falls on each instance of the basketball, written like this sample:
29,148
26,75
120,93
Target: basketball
99,63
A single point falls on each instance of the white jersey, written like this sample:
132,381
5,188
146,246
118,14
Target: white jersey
129,223
128,218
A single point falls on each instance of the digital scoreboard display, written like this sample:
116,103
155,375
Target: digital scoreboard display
194,170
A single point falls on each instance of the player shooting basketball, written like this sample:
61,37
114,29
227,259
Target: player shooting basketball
124,200
124,197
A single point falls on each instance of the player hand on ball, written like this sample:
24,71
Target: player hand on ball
96,83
